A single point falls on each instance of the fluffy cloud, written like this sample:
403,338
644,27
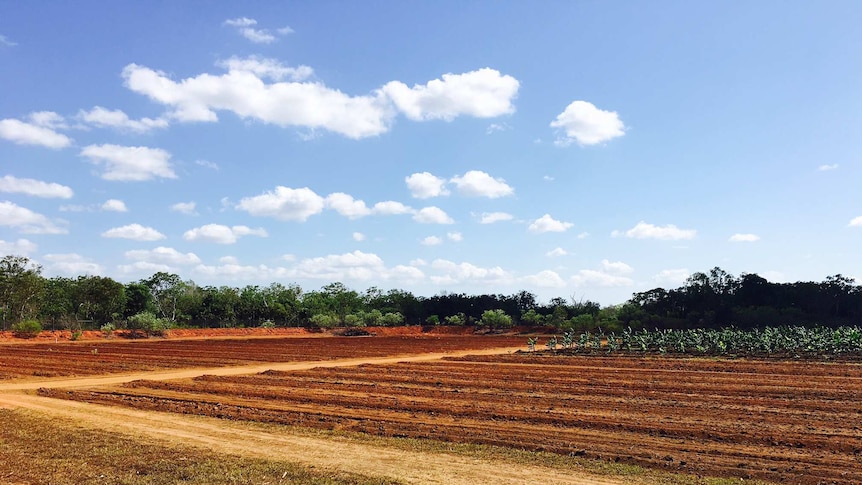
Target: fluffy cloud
592,278
453,273
424,185
284,204
352,266
72,264
136,232
130,163
219,234
27,221
856,222
483,93
556,252
432,215
583,122
744,238
145,268
23,133
479,184
187,208
20,247
114,205
358,236
669,232
347,206
313,105
391,207
267,68
309,105
672,277
34,187
546,223
545,279
492,217
246,28
117,119
617,267
432,241
455,236
163,255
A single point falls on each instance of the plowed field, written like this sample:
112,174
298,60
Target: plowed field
780,421
87,358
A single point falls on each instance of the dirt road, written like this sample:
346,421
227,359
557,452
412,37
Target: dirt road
247,440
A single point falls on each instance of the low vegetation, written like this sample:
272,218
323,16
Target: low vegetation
36,450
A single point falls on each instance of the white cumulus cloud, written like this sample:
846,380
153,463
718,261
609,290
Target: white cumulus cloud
188,208
347,206
246,27
455,236
114,205
23,133
476,183
744,238
119,120
220,234
267,68
672,277
484,93
450,272
582,122
616,267
27,221
130,163
358,236
592,278
545,279
432,215
285,204
423,185
546,223
432,241
492,217
556,252
136,232
856,222
34,187
163,255
72,264
670,232
390,207
21,247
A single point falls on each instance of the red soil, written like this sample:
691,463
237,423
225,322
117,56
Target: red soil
118,355
787,422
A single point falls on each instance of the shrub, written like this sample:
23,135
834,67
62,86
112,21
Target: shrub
433,320
148,323
495,319
76,334
324,320
27,329
108,329
267,324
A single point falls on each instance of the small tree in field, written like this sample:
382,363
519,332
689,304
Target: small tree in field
26,329
495,320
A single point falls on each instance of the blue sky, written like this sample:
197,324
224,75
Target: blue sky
574,149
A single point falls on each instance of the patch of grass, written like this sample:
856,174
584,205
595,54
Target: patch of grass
36,451
632,474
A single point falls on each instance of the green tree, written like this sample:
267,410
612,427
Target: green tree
21,289
495,319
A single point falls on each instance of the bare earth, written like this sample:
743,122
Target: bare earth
243,439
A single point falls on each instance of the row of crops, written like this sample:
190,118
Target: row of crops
784,340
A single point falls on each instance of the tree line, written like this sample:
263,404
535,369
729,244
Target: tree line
711,299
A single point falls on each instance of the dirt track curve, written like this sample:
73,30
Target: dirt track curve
243,439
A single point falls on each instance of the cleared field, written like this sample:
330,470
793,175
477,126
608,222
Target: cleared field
780,421
88,358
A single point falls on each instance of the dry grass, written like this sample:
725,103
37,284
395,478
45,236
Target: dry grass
35,451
